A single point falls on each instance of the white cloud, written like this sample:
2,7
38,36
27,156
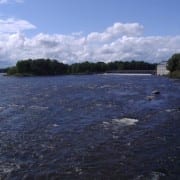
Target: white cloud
118,42
10,1
3,1
116,31
12,25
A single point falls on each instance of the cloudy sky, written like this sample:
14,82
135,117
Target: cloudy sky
94,30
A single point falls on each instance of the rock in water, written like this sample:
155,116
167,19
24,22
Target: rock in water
155,92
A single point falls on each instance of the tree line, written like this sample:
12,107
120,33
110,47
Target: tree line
53,67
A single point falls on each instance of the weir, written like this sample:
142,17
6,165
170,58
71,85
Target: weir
134,71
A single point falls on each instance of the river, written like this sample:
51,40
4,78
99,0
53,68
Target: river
89,127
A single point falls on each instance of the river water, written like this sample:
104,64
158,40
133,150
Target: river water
89,127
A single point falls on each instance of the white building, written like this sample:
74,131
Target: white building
162,69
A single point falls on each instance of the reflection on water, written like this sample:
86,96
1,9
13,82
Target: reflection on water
89,127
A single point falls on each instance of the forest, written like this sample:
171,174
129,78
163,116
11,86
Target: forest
41,67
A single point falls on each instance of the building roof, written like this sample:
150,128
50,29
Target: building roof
163,63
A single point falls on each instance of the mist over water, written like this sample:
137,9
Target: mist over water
89,127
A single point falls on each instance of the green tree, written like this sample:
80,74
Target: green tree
174,63
24,66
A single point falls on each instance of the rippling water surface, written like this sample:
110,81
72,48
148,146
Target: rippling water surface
89,127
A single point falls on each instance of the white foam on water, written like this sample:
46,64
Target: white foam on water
125,121
55,125
1,107
13,105
39,107
98,104
156,175
117,124
105,86
35,98
106,123
16,106
170,110
152,176
78,170
92,87
109,105
7,168
69,109
115,137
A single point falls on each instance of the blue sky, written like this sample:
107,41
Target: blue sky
94,30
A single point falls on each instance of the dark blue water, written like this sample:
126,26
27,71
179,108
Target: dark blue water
73,127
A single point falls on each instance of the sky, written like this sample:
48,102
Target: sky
89,30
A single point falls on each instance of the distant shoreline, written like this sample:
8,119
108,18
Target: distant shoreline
80,74
45,67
